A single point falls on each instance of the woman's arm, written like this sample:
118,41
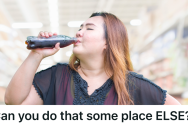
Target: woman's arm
20,89
171,100
20,85
33,98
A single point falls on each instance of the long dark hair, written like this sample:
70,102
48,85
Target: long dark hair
117,58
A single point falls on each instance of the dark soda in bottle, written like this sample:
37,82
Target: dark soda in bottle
34,42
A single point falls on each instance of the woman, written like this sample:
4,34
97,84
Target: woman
99,71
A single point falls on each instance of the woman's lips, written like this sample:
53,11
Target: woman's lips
77,42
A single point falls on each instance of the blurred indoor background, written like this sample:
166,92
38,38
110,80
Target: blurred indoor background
158,34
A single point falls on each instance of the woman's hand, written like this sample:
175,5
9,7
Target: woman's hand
45,52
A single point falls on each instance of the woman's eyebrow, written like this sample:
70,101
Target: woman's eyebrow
87,24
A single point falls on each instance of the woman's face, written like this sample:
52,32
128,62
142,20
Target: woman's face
92,38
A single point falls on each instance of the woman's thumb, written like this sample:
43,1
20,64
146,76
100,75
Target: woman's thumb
56,48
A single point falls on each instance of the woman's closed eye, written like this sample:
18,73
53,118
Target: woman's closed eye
87,29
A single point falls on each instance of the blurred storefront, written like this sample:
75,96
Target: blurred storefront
162,52
12,53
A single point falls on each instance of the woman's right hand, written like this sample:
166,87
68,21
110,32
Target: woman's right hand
45,52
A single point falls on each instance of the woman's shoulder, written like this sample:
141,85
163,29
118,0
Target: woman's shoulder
55,69
146,89
141,78
62,65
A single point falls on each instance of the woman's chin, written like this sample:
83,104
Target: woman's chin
76,51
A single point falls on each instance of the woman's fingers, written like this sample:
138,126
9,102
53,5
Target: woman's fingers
50,34
46,34
41,34
55,33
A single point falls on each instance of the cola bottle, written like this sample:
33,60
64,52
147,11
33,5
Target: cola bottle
34,42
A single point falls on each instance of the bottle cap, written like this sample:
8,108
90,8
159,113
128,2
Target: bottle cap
26,42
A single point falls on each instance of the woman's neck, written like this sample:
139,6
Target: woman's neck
92,68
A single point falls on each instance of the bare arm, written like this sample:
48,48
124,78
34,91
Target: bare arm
171,100
20,85
20,89
33,98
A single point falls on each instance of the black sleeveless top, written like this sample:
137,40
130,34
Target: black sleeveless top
60,85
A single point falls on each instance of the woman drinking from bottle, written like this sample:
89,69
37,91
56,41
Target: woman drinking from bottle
99,72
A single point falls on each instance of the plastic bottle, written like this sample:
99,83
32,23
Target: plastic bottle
34,42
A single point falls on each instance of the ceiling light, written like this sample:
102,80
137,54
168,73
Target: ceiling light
54,20
27,25
53,8
54,24
75,23
135,22
55,30
52,1
53,15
